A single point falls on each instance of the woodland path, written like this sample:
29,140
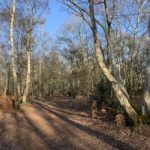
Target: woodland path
54,125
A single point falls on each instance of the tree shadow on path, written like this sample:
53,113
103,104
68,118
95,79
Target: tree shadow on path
101,136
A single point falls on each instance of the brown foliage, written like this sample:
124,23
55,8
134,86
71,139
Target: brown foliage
6,102
120,120
108,113
81,101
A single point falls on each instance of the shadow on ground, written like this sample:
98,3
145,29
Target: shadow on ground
47,126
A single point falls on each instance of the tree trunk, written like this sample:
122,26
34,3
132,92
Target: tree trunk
14,72
146,108
28,78
6,84
118,88
40,76
147,88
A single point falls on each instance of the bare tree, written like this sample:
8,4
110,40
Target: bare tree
28,48
147,79
118,88
33,18
12,19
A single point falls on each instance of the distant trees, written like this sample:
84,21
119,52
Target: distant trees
104,53
79,58
103,17
68,67
5,69
23,22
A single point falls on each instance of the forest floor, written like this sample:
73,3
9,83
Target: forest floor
54,125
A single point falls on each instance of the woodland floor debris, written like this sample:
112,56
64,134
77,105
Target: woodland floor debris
54,125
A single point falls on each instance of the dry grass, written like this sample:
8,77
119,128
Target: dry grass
5,103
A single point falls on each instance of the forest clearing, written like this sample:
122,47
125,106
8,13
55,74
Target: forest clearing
74,74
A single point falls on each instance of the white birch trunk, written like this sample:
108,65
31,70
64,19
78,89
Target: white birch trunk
118,88
14,72
28,78
147,86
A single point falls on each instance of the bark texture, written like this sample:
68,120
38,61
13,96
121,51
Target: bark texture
14,72
147,85
28,77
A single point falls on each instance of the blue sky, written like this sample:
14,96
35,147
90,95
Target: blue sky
56,18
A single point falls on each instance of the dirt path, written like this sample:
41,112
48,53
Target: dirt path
52,125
